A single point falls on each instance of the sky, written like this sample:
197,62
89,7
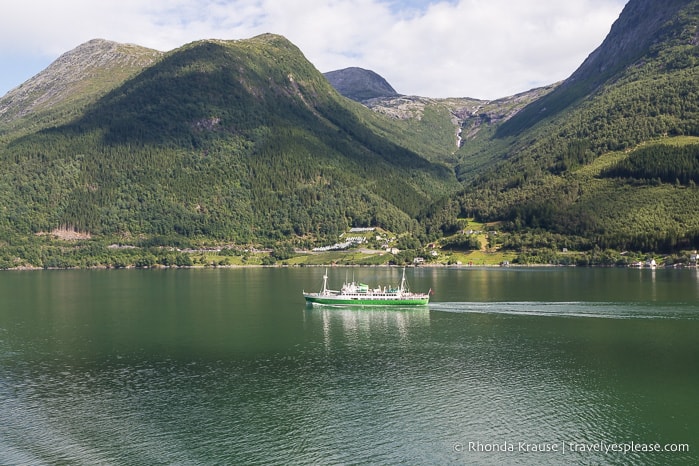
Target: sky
483,49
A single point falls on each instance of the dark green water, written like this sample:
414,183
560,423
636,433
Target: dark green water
231,367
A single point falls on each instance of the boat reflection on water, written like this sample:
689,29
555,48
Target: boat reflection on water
354,324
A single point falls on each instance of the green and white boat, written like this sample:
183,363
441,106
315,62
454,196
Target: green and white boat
359,294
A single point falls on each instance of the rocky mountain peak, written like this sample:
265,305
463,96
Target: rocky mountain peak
360,84
73,75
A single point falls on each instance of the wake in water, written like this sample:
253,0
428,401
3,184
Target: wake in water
607,310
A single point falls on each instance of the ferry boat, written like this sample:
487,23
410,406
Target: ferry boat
359,294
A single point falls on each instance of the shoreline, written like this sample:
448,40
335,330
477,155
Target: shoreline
279,266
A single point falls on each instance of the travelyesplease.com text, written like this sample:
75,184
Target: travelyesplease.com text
569,447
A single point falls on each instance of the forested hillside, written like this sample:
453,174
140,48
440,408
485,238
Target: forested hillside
234,141
546,172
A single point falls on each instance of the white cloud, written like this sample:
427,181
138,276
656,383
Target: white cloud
477,48
492,48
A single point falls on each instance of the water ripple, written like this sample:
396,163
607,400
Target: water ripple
291,385
608,310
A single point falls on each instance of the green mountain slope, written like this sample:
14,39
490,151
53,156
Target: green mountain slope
644,28
641,85
227,140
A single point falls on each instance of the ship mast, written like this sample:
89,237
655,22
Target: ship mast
325,282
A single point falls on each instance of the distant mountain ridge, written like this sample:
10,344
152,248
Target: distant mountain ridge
443,124
360,84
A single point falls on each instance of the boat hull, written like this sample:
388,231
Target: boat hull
362,301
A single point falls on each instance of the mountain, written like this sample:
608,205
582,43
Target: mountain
440,127
643,29
75,79
360,84
634,101
245,141
435,127
226,140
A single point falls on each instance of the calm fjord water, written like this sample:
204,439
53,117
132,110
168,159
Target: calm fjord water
231,367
